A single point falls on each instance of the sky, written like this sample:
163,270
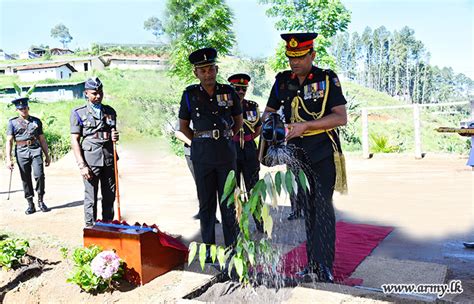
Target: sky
445,27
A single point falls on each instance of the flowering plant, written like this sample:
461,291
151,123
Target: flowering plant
105,264
95,270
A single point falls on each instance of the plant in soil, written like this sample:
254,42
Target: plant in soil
251,255
95,270
11,252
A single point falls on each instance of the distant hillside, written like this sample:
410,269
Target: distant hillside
391,130
147,103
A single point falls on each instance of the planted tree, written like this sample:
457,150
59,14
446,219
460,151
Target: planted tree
251,255
61,32
19,90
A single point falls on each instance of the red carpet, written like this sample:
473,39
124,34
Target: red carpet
353,243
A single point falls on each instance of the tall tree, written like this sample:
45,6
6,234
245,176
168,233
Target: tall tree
326,17
354,57
368,49
61,32
154,25
381,47
196,24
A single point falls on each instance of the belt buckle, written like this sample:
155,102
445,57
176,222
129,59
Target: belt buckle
215,134
28,142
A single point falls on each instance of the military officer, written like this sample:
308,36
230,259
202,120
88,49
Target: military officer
93,131
216,114
248,165
30,144
313,107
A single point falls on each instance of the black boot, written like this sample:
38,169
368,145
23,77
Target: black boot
31,206
294,215
41,204
318,273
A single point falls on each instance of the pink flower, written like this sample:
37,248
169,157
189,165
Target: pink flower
105,264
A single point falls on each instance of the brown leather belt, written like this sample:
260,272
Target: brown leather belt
215,134
29,142
101,135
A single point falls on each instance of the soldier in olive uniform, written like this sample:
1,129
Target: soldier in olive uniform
248,165
30,144
216,114
313,106
93,131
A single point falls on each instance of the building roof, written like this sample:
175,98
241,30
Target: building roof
46,66
62,60
44,85
61,50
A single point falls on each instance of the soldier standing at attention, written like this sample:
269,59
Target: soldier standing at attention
216,114
93,131
313,107
30,144
248,165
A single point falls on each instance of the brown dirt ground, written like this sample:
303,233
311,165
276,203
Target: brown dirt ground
430,203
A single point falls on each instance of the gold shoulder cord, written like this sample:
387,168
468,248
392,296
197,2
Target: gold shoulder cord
295,116
339,160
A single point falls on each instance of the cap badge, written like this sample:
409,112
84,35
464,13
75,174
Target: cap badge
293,43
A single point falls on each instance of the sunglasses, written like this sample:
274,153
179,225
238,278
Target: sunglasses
240,88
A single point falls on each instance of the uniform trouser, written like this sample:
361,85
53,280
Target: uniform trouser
249,169
320,219
106,176
25,164
210,181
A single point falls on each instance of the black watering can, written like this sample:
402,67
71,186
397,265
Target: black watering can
273,134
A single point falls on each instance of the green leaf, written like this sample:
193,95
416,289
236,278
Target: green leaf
192,252
231,266
213,252
278,182
270,189
231,200
31,90
253,201
17,89
239,266
251,252
304,180
289,181
202,255
267,220
221,257
294,183
268,226
263,191
229,185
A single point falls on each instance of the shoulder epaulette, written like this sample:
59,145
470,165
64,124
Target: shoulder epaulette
78,117
80,107
329,71
286,73
192,87
252,102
